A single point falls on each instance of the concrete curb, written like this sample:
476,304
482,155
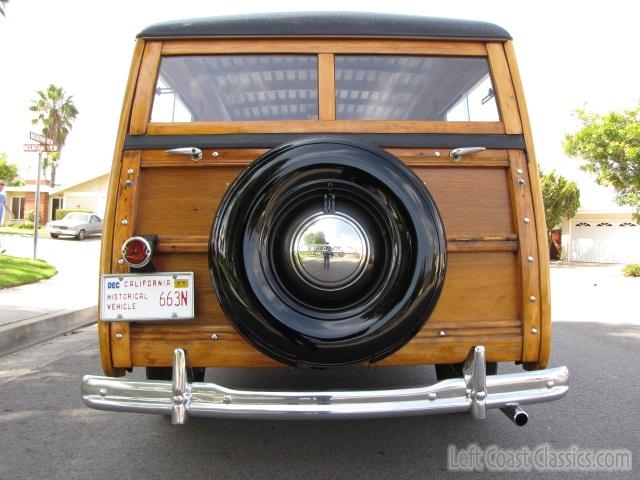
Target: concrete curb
25,333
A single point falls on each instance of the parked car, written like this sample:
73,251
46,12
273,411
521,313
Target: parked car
245,140
75,224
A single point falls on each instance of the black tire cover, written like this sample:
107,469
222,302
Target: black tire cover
383,269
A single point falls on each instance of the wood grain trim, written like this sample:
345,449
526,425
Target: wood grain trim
538,206
199,244
104,329
125,212
152,346
412,47
244,157
525,226
143,99
505,94
326,87
325,126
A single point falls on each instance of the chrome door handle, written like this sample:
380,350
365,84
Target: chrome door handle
457,153
193,152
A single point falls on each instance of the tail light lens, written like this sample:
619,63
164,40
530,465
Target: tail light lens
136,252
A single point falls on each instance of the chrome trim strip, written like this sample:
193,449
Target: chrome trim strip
474,393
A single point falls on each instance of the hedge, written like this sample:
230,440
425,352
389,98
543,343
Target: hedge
60,213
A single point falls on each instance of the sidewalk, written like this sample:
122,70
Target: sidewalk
33,313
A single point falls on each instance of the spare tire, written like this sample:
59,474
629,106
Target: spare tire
327,251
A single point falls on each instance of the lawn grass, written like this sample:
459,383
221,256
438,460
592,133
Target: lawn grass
24,231
16,271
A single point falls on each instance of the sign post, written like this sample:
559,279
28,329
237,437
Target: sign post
44,145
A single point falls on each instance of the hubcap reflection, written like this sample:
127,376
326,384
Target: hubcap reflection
330,251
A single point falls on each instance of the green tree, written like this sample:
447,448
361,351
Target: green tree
55,111
315,238
561,198
610,146
9,171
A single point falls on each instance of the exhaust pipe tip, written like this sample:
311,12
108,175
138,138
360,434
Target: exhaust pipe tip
516,414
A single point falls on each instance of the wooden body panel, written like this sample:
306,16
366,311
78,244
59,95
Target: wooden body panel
490,278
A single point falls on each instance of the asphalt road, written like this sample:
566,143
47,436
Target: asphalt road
46,432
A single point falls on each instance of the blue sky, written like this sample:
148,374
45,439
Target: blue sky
571,53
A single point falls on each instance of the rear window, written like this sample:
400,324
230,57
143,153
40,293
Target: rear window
388,87
236,88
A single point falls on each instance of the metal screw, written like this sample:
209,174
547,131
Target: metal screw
526,220
534,331
228,184
436,154
121,261
128,183
521,182
550,384
432,396
178,399
119,336
481,395
124,222
214,337
226,399
532,298
214,154
442,334
130,171
530,258
103,392
519,171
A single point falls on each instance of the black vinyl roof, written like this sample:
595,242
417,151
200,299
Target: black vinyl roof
327,24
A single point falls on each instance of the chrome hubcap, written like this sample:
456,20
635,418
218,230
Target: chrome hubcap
330,251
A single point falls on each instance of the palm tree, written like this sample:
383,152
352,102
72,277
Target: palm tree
56,112
3,7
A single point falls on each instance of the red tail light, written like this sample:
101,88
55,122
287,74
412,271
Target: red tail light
136,252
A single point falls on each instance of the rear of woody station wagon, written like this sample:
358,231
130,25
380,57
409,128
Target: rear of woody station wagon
320,190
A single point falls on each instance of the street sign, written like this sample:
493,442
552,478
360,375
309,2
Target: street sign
40,138
38,147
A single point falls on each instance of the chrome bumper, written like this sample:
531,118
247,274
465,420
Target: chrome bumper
474,393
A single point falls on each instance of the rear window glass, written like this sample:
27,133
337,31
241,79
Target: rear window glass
236,88
385,87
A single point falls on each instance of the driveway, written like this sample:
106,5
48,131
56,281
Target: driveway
593,292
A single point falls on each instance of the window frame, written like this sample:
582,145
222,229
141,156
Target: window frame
494,52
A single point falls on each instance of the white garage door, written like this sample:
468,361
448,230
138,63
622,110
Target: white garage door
605,241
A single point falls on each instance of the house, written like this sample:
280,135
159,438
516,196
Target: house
89,195
605,235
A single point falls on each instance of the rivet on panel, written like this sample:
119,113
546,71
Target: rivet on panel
103,392
130,171
121,261
436,154
124,222
534,330
529,259
214,154
519,171
119,336
526,220
214,336
550,384
442,334
432,396
532,298
128,183
521,182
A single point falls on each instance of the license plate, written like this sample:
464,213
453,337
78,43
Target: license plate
146,297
